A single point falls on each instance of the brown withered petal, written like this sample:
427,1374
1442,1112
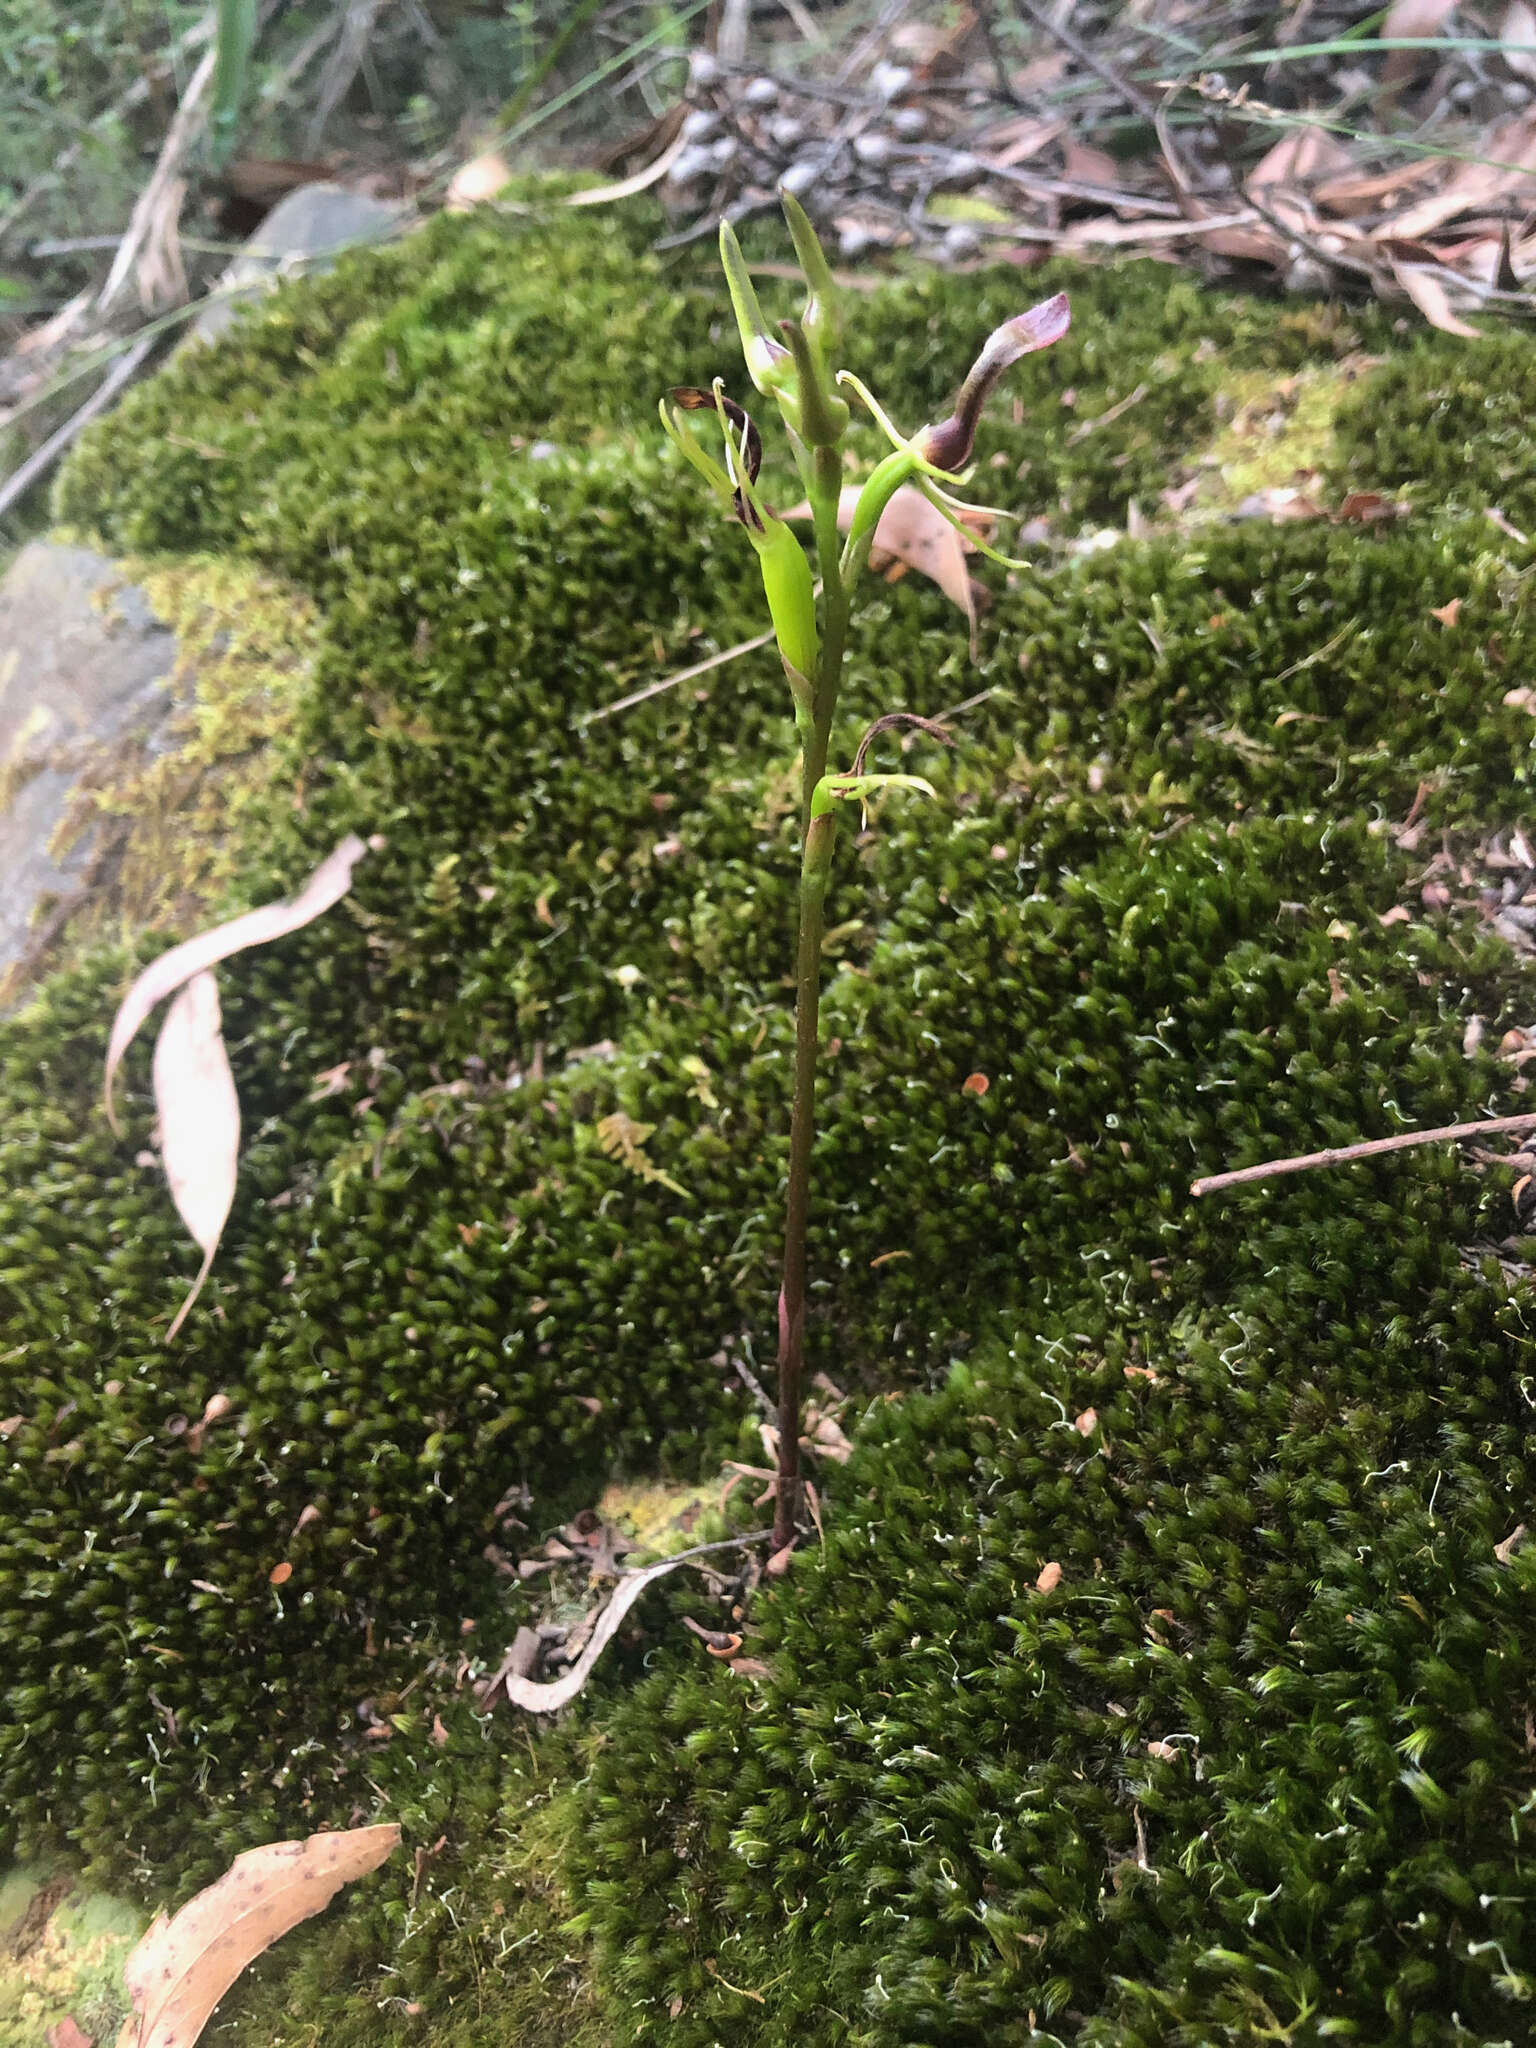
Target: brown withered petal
749,441
948,445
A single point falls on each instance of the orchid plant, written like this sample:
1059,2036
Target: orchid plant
797,372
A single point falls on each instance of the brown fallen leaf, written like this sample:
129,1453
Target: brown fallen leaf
1505,1551
199,1115
1447,614
1050,1577
913,533
1510,150
68,2033
182,1968
975,1084
1407,21
1424,287
1301,154
1398,914
1517,40
1086,1423
327,885
548,1699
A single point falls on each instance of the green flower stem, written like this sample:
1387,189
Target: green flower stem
818,836
815,867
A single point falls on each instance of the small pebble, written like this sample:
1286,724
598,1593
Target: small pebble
909,124
887,81
723,152
703,69
800,177
873,148
692,164
762,92
785,132
700,124
961,243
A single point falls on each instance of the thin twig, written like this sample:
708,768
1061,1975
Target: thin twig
190,116
682,675
136,94
1343,1155
42,459
1132,94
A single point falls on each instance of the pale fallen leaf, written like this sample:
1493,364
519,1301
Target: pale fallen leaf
1511,153
1423,286
1406,21
1163,1751
913,532
1517,39
199,1115
182,1968
1050,1577
1085,165
1300,155
1505,1551
477,181
68,2033
327,885
1086,1423
548,1699
1398,914
1447,614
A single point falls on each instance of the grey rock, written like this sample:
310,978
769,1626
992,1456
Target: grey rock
800,177
873,148
762,92
85,671
700,124
909,124
306,231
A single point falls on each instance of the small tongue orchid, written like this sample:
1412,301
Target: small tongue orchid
797,374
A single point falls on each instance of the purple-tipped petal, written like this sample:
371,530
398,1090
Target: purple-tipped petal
948,445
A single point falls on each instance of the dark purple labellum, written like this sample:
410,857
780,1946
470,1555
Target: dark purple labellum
949,444
748,441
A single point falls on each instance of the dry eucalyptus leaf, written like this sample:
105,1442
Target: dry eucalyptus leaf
913,532
327,885
1517,39
1406,21
183,1967
1423,286
548,1699
199,1120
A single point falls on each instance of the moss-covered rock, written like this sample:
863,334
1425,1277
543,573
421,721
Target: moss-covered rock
1257,1762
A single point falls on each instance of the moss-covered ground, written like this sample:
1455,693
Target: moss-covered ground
1258,1762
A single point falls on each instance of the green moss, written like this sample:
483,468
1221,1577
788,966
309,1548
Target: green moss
1149,908
1445,422
173,816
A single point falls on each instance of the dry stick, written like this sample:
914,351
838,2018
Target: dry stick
1343,1155
136,94
42,459
190,116
1132,94
682,675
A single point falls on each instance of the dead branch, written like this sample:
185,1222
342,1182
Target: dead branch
149,214
1344,1155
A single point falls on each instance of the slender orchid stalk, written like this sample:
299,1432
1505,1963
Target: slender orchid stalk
797,373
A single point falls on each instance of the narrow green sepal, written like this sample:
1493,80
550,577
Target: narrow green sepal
823,316
769,363
790,590
835,789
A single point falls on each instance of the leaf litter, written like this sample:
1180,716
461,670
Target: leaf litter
196,1103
